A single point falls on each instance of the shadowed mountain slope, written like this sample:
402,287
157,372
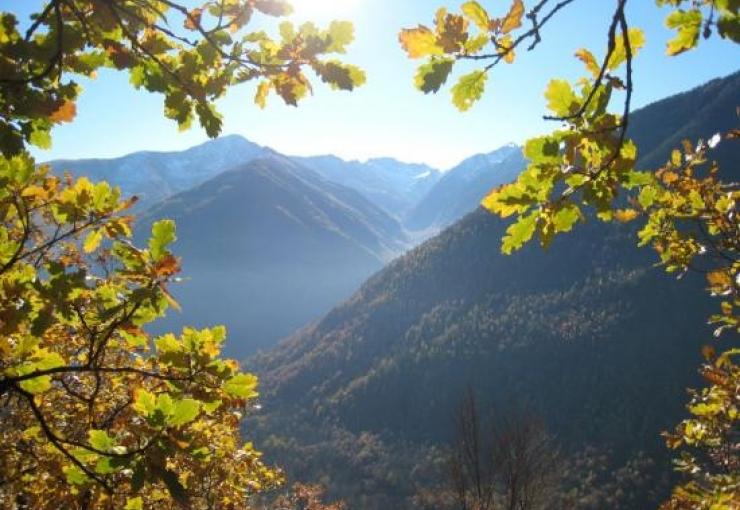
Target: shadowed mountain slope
269,246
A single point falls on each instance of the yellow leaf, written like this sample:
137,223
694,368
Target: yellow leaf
506,44
92,241
477,14
419,42
35,192
262,91
669,177
561,99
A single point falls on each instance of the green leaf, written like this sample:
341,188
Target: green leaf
635,179
432,75
342,33
688,25
48,360
74,475
647,196
100,440
477,14
242,386
168,344
561,99
104,466
134,504
144,402
729,26
340,76
477,43
566,217
163,233
519,233
469,89
41,138
165,404
543,149
36,385
185,411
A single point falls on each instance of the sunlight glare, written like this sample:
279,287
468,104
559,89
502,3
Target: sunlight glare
324,8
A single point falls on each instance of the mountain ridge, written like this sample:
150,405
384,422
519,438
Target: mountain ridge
268,246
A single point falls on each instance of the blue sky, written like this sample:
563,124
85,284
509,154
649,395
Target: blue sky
388,117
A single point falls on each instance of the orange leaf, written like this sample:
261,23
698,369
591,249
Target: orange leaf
589,60
625,215
168,266
193,19
514,18
65,113
719,279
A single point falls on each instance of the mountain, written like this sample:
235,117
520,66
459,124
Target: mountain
269,246
154,176
588,335
656,128
699,113
462,188
393,185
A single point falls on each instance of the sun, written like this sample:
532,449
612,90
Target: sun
325,8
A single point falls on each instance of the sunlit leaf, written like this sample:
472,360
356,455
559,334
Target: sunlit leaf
469,89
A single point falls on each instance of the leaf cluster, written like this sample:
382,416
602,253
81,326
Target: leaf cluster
95,411
190,55
455,37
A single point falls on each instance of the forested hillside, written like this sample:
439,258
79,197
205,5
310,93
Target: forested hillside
553,325
587,334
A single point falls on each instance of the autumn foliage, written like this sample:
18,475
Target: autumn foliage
587,167
95,412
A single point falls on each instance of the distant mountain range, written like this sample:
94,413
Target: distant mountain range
154,176
395,186
271,242
270,245
587,334
420,197
460,190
